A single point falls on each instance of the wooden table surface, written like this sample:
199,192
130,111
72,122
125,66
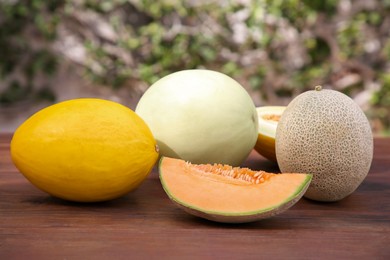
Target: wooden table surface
146,225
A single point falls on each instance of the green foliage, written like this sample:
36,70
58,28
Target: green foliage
276,48
382,97
21,20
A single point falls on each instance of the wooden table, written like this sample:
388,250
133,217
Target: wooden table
146,225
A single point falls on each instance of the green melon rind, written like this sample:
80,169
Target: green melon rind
201,116
244,217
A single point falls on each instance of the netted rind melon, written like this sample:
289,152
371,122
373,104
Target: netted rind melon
324,132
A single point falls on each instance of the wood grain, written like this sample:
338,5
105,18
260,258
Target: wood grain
146,225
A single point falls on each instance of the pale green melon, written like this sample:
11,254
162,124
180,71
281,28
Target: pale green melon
201,116
324,132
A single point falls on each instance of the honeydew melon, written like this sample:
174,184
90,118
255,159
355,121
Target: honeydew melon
268,121
201,116
228,194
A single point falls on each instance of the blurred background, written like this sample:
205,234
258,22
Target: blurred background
56,50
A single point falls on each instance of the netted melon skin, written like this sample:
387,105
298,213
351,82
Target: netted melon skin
324,132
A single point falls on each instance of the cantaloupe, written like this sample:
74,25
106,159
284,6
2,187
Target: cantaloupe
268,121
229,194
325,132
201,116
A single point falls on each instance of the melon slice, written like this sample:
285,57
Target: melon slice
268,121
229,194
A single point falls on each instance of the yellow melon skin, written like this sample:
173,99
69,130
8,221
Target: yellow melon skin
265,144
324,132
84,150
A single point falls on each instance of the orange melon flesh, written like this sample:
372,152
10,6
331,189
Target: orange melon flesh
226,194
268,118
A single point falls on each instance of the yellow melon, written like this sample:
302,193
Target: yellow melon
324,132
268,121
84,150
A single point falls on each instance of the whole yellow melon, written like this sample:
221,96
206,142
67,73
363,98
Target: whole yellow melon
84,150
324,132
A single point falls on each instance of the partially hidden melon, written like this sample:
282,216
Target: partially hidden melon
268,121
229,194
325,132
201,116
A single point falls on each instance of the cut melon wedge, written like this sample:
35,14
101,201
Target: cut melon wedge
229,194
268,121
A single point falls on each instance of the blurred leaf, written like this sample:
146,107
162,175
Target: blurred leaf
15,92
279,40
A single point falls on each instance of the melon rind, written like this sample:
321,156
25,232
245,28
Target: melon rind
265,144
84,150
201,116
229,217
245,217
325,132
